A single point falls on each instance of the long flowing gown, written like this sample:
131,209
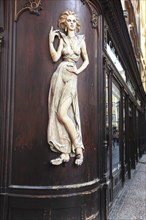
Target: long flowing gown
64,85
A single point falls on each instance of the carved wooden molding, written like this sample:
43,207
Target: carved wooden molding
132,27
107,65
1,38
94,13
34,6
105,35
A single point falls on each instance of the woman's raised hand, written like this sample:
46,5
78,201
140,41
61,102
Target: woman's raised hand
53,34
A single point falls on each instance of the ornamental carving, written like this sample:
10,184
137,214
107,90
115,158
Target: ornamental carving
94,19
107,64
132,26
105,35
94,13
34,6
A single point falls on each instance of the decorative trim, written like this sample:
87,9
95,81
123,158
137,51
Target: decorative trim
1,38
57,187
94,13
34,6
132,27
105,35
55,195
107,64
94,19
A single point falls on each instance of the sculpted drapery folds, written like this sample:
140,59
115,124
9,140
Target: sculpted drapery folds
64,128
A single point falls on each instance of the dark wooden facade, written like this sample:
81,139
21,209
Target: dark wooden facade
30,188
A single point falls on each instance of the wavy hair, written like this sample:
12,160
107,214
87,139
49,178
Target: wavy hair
63,17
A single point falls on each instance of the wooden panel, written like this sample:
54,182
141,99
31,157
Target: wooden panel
55,207
33,189
55,214
26,214
33,70
1,81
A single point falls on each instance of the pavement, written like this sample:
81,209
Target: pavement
130,204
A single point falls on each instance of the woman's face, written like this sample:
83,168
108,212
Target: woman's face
71,22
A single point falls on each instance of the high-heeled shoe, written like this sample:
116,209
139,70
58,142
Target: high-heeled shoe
79,159
57,161
64,158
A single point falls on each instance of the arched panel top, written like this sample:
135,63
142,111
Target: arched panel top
34,6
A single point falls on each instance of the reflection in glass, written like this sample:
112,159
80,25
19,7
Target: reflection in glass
115,127
107,125
124,127
114,57
130,86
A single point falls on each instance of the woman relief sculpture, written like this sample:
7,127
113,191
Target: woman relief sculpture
64,128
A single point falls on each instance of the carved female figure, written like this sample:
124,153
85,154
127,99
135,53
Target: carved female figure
64,129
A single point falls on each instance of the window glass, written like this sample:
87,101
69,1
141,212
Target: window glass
115,127
124,128
115,59
107,125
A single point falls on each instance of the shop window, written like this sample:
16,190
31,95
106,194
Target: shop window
124,128
115,59
107,125
131,87
115,127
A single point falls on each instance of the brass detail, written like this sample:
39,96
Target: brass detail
34,6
